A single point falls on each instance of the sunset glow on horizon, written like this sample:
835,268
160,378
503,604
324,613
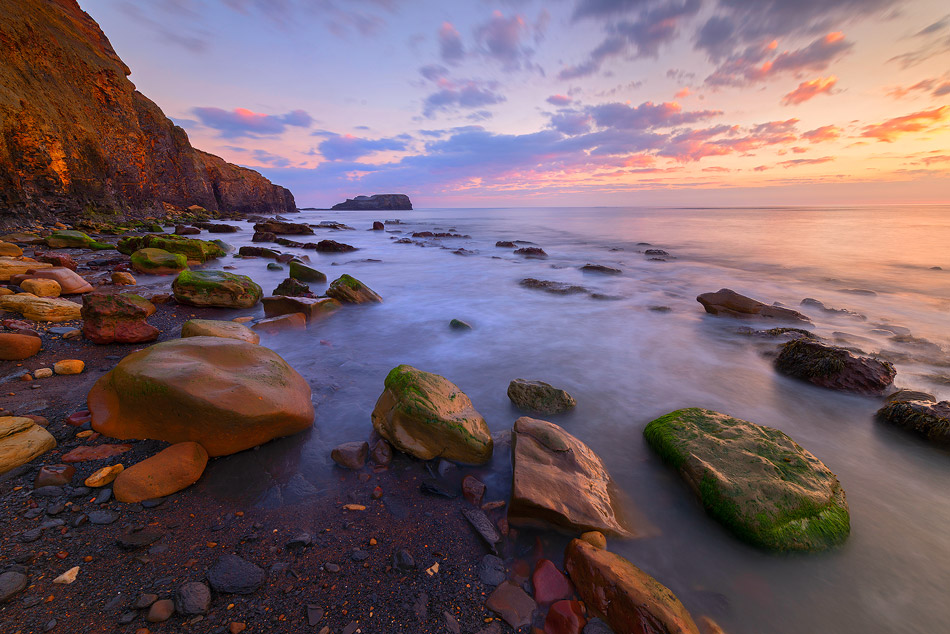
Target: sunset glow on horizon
583,102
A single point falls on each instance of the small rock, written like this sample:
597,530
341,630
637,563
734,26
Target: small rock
314,614
550,584
483,526
300,540
350,455
160,611
512,604
231,574
67,577
596,626
491,570
43,373
595,539
432,486
403,560
382,453
458,324
103,496
104,476
359,555
473,490
55,475
102,517
331,567
30,536
144,601
193,597
565,617
138,539
11,584
69,366
48,492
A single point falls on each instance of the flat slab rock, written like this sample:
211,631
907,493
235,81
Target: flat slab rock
726,302
755,480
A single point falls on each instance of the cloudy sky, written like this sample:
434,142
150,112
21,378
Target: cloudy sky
567,103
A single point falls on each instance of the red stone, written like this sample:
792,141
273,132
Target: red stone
550,584
119,317
82,454
473,489
80,418
55,475
58,259
565,617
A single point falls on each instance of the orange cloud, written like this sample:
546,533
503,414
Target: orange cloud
682,93
809,90
915,122
822,134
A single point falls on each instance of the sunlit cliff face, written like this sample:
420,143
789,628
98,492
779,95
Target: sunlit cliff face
579,102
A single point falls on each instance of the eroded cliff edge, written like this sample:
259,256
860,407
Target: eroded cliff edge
77,138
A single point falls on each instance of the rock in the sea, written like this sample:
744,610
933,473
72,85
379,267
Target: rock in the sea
549,583
304,273
51,309
559,482
218,328
332,246
292,287
512,604
21,440
377,226
428,416
350,455
629,599
755,480
549,286
117,318
458,324
531,252
311,307
349,290
169,471
274,325
376,201
216,288
539,396
158,262
600,268
834,368
193,249
729,303
233,575
186,389
16,347
930,420
68,238
909,395
282,228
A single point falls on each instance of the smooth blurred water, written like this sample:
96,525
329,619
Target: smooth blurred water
626,364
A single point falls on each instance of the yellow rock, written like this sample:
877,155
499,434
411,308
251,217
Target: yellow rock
53,309
595,539
215,328
41,287
69,366
43,373
21,440
123,278
16,266
5,291
10,250
354,507
104,476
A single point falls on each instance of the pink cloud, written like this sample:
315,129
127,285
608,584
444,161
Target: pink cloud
559,100
914,122
822,134
809,90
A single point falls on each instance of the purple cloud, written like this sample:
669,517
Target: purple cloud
647,115
756,64
450,44
558,100
346,147
465,94
501,39
243,122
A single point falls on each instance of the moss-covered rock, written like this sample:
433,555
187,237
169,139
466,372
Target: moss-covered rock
158,262
68,238
304,273
192,248
930,420
350,290
428,416
755,480
834,368
216,288
291,287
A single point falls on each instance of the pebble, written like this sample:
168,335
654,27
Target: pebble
79,520
54,475
314,614
11,584
231,574
31,535
236,627
403,560
139,539
144,601
359,555
150,504
43,373
52,524
160,611
193,597
34,513
103,496
104,476
473,490
49,492
127,617
331,567
102,517
69,366
56,508
300,540
451,623
483,527
491,570
67,577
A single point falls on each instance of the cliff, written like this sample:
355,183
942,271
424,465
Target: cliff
376,201
77,138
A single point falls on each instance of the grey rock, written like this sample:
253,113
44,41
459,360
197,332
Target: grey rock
34,513
104,496
48,492
144,601
359,555
300,540
483,526
596,626
491,570
31,535
11,584
403,560
102,517
193,597
231,574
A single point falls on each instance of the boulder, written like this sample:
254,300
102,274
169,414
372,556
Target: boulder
427,416
279,227
927,418
21,440
834,368
54,475
51,309
193,249
600,268
559,482
304,273
16,347
350,290
726,302
311,307
291,287
258,252
182,230
216,288
274,325
627,598
225,394
378,226
41,287
909,395
19,266
755,480
531,252
215,328
332,246
69,281
158,261
539,396
169,471
67,239
263,236
117,318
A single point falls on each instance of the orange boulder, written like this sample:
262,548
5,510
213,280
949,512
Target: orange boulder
167,472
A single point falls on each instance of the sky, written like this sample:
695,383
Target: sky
522,103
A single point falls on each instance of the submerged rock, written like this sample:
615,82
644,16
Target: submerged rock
531,252
600,268
539,396
559,481
755,480
350,290
834,368
558,288
186,389
279,227
216,288
629,599
117,318
726,302
427,416
930,420
458,324
332,246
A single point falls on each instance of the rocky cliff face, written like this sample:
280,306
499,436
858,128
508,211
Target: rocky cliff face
376,201
76,138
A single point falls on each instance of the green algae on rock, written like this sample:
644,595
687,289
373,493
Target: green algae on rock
67,238
428,416
192,248
304,273
216,288
349,290
755,480
929,419
158,261
834,368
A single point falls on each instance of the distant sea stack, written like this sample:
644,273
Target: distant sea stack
77,139
376,201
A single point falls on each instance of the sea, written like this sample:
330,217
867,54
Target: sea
636,345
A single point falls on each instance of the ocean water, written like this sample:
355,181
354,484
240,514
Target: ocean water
627,363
